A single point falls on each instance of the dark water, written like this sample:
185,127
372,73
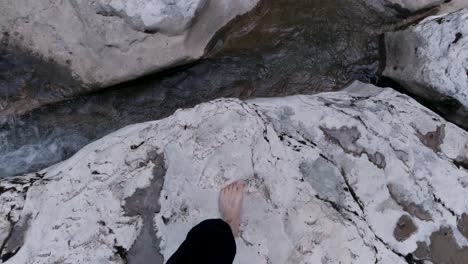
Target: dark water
282,48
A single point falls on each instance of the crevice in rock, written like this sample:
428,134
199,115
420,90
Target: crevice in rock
461,162
10,232
408,258
133,147
409,18
441,105
351,191
301,142
337,207
121,252
17,230
458,36
462,224
15,238
342,211
439,201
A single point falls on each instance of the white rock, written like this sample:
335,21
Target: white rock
431,58
328,178
103,42
168,16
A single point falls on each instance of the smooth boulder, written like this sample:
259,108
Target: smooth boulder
367,175
105,42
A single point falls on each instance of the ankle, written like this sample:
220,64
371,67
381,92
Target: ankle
234,227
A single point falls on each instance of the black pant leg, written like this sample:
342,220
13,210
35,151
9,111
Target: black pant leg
210,242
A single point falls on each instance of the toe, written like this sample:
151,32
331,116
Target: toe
239,186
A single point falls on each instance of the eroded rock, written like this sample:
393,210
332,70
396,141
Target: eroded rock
101,204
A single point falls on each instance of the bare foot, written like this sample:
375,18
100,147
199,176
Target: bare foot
230,204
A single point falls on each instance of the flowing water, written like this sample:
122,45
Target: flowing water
281,48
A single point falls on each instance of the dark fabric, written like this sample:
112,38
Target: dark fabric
210,242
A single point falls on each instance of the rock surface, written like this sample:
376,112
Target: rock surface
166,16
91,38
404,7
329,178
431,60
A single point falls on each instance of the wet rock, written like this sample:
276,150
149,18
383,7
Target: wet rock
404,228
443,248
141,37
144,203
463,224
422,251
278,49
430,60
101,205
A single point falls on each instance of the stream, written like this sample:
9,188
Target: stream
278,49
